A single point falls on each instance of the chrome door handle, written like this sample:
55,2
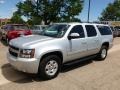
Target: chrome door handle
96,40
84,43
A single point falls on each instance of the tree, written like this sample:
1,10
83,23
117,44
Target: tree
34,21
48,11
16,18
111,12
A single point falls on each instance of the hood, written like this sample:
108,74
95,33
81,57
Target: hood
28,40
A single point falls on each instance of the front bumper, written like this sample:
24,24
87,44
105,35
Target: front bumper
24,64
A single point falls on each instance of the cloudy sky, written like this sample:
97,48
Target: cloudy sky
7,7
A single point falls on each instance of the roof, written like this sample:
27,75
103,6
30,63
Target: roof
80,23
76,23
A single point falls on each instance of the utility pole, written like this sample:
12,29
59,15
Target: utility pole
89,11
37,6
36,2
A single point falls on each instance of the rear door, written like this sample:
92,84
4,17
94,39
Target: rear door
93,42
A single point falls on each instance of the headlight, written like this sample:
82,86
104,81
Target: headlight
27,53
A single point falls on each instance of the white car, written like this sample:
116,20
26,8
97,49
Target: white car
38,29
58,45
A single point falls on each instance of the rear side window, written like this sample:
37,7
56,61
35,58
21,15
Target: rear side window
104,30
91,31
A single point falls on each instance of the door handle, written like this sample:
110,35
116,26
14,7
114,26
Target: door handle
84,43
96,40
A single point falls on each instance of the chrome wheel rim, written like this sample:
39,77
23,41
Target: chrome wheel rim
51,68
103,54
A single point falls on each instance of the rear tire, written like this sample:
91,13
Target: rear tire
50,67
103,53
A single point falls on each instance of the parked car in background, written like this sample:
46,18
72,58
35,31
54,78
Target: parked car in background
117,28
115,31
37,29
12,31
59,44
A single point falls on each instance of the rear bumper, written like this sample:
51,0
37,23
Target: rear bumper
24,65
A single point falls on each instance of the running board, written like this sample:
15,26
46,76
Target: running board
79,60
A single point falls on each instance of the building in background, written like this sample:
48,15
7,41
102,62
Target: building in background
4,21
111,23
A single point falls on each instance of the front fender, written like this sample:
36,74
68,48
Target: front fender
41,52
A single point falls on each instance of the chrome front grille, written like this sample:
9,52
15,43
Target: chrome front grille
14,51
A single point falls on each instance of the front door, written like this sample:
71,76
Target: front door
77,46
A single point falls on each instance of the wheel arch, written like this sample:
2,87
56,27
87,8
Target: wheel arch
106,44
58,53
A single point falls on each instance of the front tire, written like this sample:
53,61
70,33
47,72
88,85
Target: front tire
50,67
103,53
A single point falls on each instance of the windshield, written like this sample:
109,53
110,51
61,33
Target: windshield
56,31
20,27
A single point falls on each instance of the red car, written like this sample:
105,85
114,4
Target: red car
12,31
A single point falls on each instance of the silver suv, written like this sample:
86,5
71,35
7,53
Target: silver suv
57,45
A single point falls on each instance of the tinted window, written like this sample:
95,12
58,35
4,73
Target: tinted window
91,31
78,29
104,30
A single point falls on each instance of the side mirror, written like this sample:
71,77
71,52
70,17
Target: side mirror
73,36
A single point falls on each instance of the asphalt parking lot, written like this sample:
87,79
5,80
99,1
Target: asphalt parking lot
88,75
